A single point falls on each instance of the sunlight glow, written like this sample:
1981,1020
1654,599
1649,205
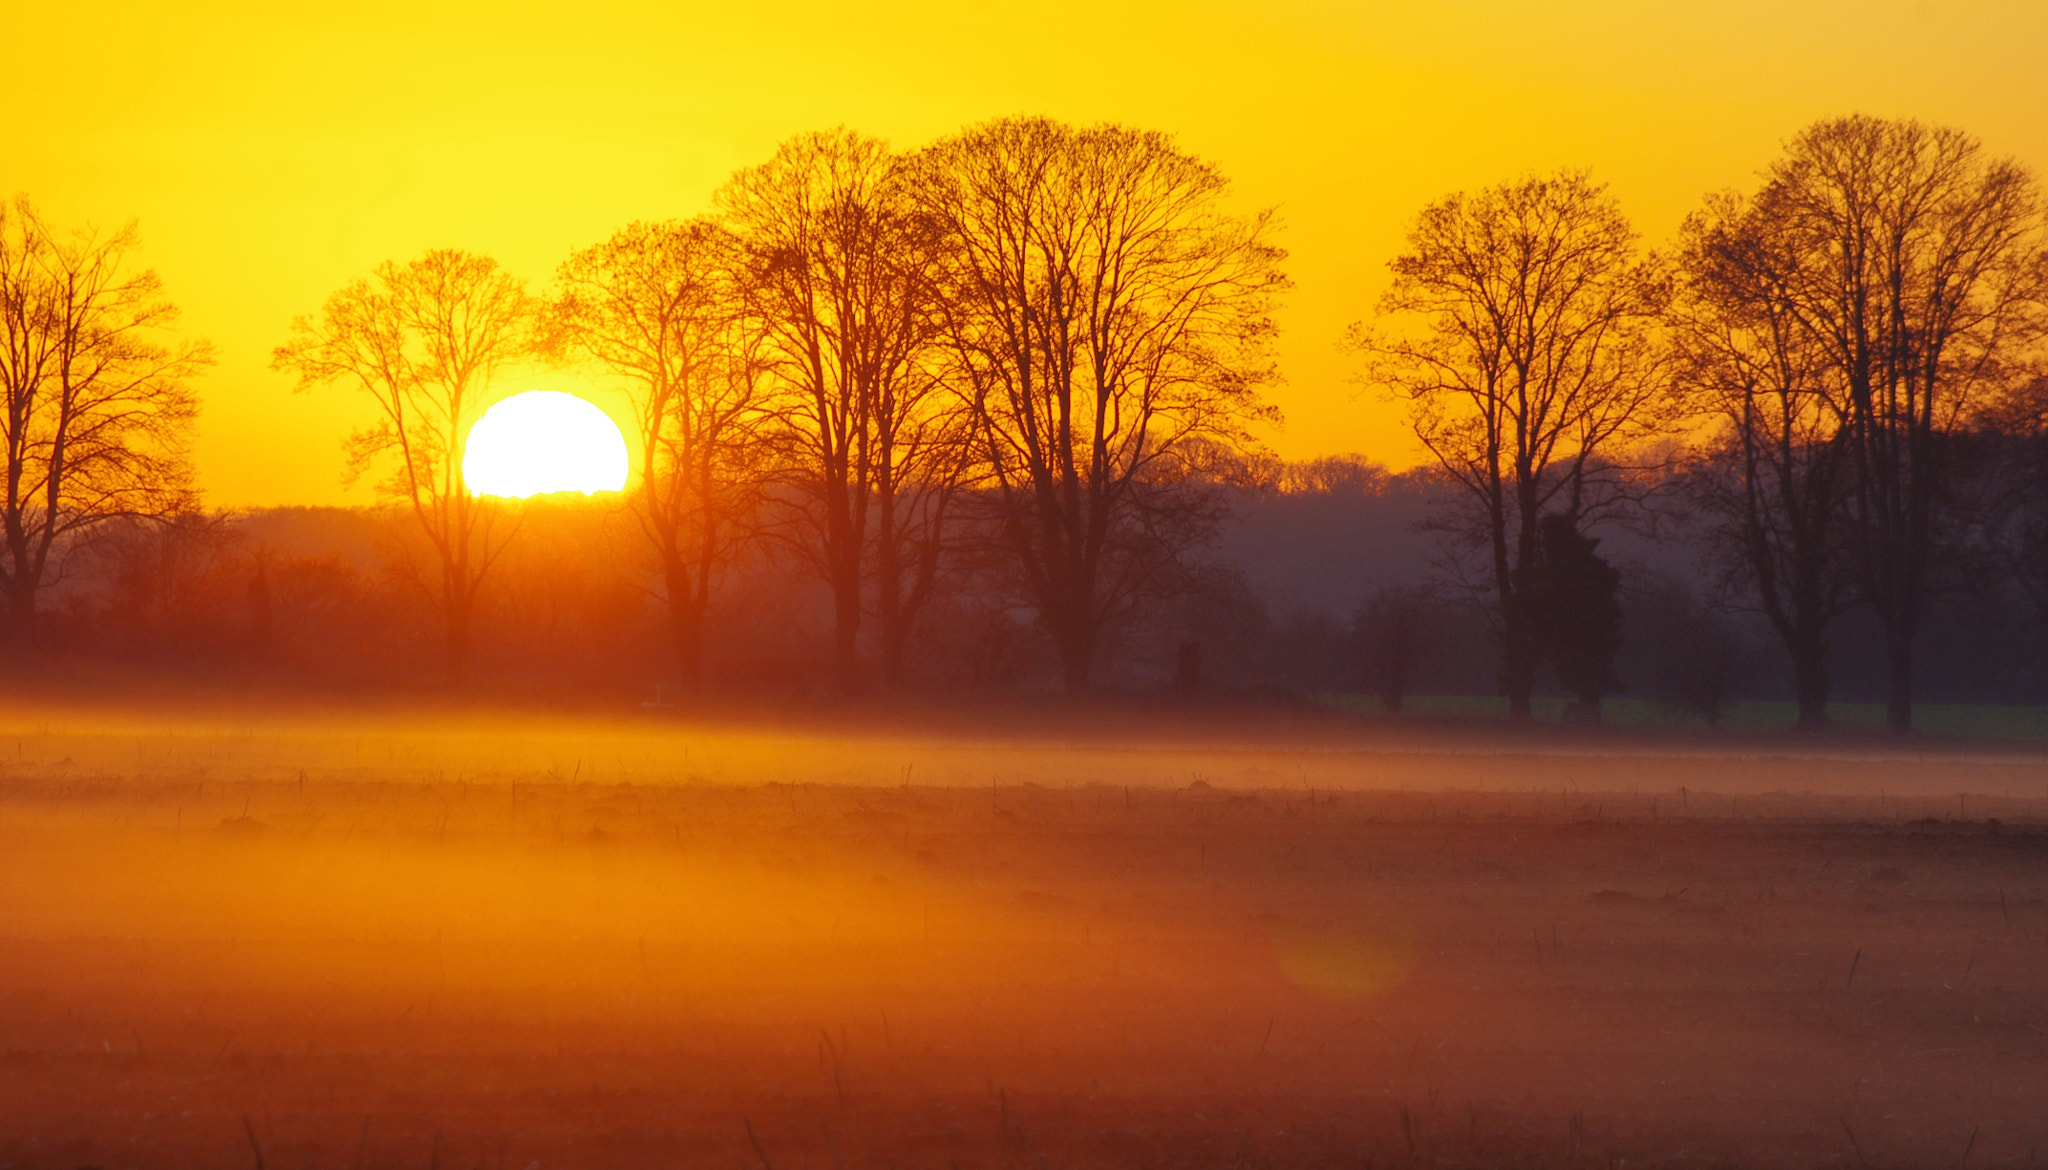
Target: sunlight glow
544,441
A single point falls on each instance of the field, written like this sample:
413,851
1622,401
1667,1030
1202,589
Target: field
1964,720
272,939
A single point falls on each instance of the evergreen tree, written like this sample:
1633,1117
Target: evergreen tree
1574,603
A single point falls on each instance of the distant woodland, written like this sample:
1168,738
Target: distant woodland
984,417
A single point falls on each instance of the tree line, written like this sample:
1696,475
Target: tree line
1011,347
1818,369
1029,359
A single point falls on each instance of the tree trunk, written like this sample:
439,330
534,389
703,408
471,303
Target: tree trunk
689,643
21,613
1518,660
1075,668
1518,654
1898,699
888,590
457,645
1520,683
1810,681
1076,643
846,628
893,638
686,628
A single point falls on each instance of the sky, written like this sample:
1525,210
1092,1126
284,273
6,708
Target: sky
270,152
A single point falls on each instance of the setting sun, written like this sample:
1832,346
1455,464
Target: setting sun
544,441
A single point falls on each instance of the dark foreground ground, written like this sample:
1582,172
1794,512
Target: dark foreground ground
518,944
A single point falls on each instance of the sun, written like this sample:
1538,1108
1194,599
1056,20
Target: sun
544,441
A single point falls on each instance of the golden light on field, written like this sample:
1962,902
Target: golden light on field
1344,964
544,441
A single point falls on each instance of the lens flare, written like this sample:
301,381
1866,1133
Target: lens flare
544,441
1344,964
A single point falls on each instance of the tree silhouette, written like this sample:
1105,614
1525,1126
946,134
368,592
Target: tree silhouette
1532,365
424,340
1572,600
1112,323
1776,475
840,271
1917,266
96,412
659,306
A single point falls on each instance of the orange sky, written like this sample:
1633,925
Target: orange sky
271,154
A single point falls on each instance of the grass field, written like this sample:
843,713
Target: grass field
237,938
1950,720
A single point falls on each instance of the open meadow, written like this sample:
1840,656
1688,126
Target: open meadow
262,938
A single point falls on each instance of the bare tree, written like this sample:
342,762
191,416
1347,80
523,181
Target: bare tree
1534,366
424,340
839,269
925,455
98,411
1112,322
658,306
1921,276
1775,475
